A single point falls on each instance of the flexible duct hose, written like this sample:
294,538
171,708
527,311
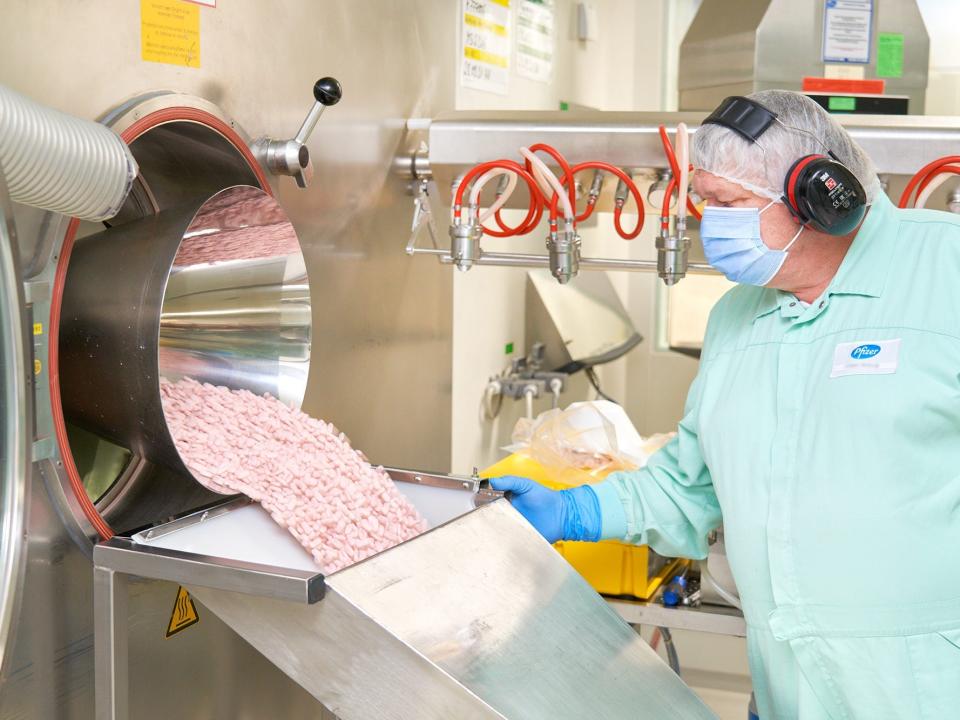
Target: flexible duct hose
58,162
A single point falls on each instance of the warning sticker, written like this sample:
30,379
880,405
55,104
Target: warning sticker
485,42
170,32
184,613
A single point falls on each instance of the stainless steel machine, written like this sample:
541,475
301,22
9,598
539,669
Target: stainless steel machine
736,47
476,618
204,278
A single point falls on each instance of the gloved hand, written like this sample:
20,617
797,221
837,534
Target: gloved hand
572,514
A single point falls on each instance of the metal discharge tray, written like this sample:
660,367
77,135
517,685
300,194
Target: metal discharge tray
476,618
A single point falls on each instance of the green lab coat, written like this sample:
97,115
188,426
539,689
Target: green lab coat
832,452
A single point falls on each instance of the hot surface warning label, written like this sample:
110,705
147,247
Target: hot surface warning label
184,613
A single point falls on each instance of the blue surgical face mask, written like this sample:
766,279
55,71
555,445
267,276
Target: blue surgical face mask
732,244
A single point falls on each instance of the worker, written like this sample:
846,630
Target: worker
823,426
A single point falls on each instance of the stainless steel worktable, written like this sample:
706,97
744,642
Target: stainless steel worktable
717,619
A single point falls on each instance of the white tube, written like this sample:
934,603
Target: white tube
932,188
62,163
500,201
728,596
543,173
683,163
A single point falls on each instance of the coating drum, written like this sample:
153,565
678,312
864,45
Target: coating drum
215,290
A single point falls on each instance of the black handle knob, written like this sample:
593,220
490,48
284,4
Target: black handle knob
327,91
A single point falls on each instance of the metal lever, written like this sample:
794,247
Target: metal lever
291,157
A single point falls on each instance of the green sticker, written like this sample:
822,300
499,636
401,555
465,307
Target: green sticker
838,103
508,349
889,55
564,105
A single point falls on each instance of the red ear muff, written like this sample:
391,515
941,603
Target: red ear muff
790,185
823,194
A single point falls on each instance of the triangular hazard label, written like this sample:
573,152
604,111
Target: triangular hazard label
184,613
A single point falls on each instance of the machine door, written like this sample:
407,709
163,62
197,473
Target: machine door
16,422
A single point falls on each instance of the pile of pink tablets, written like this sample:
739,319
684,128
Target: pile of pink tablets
302,470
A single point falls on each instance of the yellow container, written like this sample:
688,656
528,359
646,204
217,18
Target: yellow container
611,567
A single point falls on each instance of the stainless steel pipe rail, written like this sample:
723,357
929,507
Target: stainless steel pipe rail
899,145
535,261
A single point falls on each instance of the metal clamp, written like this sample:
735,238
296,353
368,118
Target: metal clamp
564,252
292,157
672,251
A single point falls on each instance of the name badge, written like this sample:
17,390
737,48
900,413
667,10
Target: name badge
866,357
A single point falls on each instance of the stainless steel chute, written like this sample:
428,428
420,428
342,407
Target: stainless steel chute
477,618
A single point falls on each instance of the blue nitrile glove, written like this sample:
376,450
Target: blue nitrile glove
572,514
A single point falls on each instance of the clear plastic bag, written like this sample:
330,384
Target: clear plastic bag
596,437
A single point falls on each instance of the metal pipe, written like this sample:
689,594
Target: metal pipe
672,657
536,261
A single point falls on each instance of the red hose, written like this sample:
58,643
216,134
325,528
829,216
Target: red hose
631,186
925,174
954,169
619,228
675,168
588,211
534,212
532,219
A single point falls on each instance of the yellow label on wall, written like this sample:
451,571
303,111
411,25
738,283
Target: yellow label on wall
37,367
170,32
38,328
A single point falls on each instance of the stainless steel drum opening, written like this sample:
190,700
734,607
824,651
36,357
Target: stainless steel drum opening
236,308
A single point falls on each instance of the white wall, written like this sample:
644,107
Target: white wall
943,84
620,70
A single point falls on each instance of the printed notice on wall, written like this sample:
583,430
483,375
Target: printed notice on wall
485,39
535,39
170,32
846,31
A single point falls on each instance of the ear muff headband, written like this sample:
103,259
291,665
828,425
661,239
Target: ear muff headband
834,203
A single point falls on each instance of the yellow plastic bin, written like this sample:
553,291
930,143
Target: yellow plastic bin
611,567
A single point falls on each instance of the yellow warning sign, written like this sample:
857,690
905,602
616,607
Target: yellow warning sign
38,328
170,32
184,613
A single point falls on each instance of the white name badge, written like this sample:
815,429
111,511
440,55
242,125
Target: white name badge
867,357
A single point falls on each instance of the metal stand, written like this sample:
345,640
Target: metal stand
110,644
116,558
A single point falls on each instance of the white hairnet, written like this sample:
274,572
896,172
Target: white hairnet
761,167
